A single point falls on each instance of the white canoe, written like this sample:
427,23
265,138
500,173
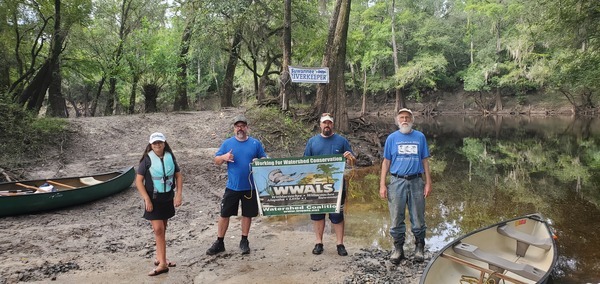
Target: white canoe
521,250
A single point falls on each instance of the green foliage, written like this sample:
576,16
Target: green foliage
474,80
576,71
24,138
513,50
278,131
422,73
476,152
568,161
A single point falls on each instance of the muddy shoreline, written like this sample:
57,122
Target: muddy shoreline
107,241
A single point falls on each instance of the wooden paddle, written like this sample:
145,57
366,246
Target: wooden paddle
61,184
29,187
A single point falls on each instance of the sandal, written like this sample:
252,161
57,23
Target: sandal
169,264
155,272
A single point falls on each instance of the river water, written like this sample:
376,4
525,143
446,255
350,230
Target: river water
488,169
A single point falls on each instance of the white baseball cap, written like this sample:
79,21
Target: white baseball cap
325,117
157,136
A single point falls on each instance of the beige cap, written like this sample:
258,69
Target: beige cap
405,110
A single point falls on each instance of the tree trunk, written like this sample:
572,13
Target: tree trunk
355,83
97,96
255,77
320,104
4,70
262,84
227,93
284,80
181,99
34,94
134,84
499,106
150,95
471,44
110,99
57,105
400,101
337,88
363,107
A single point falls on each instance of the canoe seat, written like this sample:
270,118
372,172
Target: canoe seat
524,240
499,264
89,181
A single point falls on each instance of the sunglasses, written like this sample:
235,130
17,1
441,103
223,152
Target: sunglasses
326,114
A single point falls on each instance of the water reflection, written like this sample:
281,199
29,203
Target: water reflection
495,168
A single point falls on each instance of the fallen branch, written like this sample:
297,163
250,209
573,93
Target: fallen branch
6,176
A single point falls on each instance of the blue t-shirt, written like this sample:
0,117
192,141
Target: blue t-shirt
406,152
238,172
332,145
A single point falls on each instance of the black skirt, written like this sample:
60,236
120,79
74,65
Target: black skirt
163,210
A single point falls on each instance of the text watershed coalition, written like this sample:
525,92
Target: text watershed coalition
300,208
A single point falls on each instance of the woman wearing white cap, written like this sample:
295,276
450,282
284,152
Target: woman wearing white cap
160,183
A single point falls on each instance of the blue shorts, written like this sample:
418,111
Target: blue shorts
335,218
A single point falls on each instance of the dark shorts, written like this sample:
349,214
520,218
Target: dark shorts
335,218
231,202
162,210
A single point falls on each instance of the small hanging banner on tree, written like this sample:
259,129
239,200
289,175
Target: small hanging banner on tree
309,74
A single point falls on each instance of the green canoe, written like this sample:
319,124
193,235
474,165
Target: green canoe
29,196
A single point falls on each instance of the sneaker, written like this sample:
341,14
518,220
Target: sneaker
342,250
245,246
318,249
216,247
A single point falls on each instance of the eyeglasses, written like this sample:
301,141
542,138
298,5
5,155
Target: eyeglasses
325,114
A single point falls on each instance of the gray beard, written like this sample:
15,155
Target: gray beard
241,135
405,129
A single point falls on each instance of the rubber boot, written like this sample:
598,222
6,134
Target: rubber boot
420,251
398,253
